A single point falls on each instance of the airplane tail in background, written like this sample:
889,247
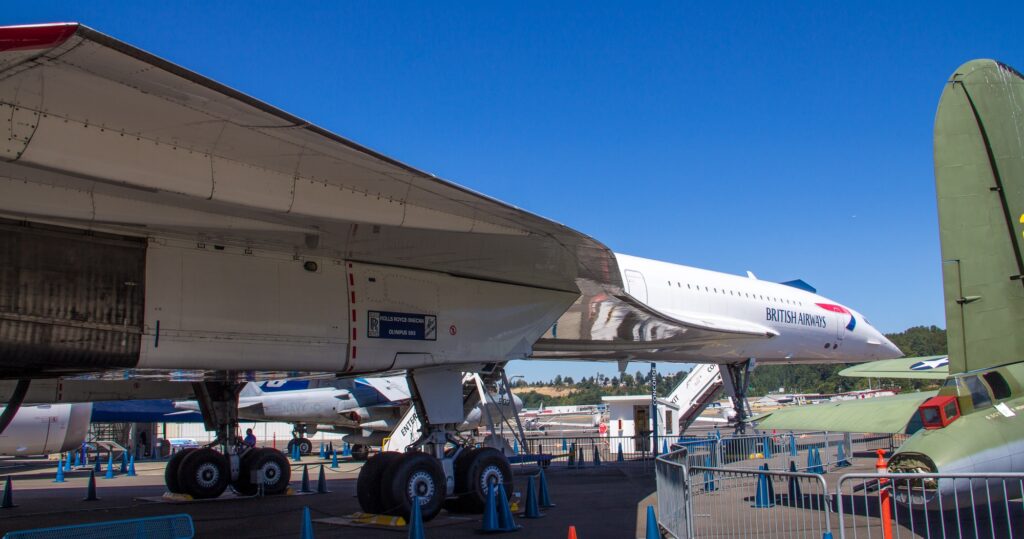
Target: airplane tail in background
979,179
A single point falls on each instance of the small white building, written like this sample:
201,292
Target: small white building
630,416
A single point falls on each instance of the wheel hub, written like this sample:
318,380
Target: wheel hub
491,476
421,484
207,474
270,472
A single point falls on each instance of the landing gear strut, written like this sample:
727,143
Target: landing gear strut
207,472
736,380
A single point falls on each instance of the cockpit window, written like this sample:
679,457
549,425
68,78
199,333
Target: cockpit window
979,395
1000,389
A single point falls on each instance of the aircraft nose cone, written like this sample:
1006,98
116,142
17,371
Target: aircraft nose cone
891,350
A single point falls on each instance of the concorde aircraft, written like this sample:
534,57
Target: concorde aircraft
975,422
162,230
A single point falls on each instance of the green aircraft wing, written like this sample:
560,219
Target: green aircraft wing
979,181
896,414
913,368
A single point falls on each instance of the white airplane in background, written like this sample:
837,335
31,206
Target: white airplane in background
45,429
174,237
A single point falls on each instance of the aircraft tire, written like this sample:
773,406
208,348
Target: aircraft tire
244,486
481,467
368,485
305,446
271,467
204,474
414,474
171,471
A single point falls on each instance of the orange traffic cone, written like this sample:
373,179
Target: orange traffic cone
880,464
572,532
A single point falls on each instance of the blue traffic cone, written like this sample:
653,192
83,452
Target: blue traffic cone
90,491
767,447
545,498
771,484
110,466
762,498
664,447
307,525
597,457
323,455
321,482
131,466
709,476
8,501
818,468
619,457
416,520
564,446
653,532
572,456
826,535
792,445
795,495
346,450
515,447
334,459
78,459
305,479
298,453
490,518
810,460
505,520
124,463
60,472
96,466
67,466
579,458
532,509
841,461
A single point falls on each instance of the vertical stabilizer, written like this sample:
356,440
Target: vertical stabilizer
979,178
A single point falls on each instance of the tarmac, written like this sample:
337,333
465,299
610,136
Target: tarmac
600,501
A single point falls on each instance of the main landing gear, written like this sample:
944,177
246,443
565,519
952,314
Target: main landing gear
736,380
438,469
207,472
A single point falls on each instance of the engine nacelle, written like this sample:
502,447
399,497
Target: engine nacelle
46,428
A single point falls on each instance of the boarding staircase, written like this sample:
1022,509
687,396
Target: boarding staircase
695,392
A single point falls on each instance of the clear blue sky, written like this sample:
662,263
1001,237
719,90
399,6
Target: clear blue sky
793,140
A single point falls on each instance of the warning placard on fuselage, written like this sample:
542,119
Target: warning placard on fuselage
411,326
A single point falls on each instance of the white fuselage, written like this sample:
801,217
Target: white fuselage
805,330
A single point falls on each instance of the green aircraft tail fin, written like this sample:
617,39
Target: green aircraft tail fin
979,179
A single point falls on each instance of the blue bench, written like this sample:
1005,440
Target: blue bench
164,527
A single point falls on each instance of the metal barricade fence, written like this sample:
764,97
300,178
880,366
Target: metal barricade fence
674,509
634,450
779,449
756,503
931,505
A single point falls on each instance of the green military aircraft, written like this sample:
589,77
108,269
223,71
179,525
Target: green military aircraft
975,421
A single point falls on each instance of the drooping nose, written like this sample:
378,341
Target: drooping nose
888,349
